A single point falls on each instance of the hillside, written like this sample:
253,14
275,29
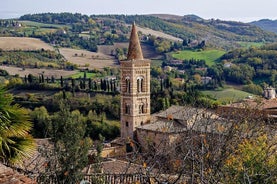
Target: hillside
224,34
216,33
266,24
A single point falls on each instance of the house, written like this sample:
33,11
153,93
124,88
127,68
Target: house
259,107
167,126
206,80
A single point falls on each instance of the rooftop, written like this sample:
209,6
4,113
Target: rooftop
260,104
9,176
180,112
168,126
114,166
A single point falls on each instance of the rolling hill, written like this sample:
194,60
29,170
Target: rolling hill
266,24
217,33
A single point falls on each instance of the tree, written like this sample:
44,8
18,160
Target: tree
69,155
42,122
16,143
61,82
255,161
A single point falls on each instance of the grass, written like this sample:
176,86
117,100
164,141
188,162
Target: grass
156,63
23,43
249,44
42,25
210,56
81,74
228,95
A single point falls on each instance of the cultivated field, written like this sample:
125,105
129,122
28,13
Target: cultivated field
228,95
20,43
148,31
148,51
87,59
36,71
210,56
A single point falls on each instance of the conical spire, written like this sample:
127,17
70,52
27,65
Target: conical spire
134,51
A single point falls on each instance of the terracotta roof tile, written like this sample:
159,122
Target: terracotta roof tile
10,176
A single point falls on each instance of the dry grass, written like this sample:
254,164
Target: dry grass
22,43
36,71
148,51
87,59
148,31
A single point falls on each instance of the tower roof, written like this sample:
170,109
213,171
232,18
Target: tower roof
134,51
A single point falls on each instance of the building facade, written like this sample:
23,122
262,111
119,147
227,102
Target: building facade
135,88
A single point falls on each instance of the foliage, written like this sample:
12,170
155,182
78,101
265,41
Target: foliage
16,142
266,24
221,33
42,122
35,59
252,64
254,161
56,18
240,74
253,88
99,125
70,148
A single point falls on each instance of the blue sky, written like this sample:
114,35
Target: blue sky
239,10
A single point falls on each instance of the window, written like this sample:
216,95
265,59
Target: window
141,109
127,109
140,84
141,123
127,123
128,85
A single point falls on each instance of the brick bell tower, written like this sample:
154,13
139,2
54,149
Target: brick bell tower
135,88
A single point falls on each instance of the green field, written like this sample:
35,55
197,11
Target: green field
41,25
227,95
81,74
210,56
250,44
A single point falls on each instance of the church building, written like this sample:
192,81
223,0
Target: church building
135,88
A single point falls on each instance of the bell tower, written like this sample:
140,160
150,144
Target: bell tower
135,88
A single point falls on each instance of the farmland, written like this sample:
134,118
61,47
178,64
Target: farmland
19,43
36,71
227,95
210,56
87,59
148,31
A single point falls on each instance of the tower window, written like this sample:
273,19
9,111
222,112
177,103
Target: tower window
128,85
127,109
127,123
141,109
140,84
